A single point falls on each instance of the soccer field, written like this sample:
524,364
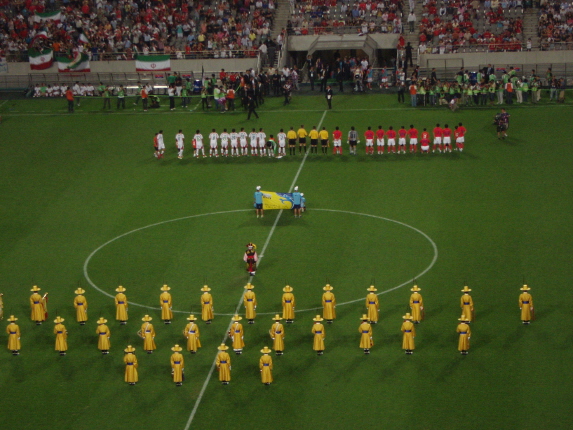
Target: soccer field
84,202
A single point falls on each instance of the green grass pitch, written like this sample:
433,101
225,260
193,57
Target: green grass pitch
497,212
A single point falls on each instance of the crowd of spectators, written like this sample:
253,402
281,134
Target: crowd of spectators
118,29
336,16
455,24
556,25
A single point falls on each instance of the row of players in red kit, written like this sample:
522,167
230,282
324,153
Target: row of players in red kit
442,139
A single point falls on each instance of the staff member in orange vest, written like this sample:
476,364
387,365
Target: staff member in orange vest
230,99
70,99
144,96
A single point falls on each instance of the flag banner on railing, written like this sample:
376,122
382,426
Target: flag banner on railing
155,63
40,60
272,200
46,16
80,63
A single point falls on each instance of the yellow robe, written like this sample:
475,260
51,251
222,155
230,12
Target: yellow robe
192,334
81,305
365,331
13,337
328,302
61,337
278,336
37,307
319,335
288,306
250,302
464,338
131,366
408,337
416,304
165,303
148,333
103,337
266,367
223,363
177,366
467,305
525,304
206,307
372,307
121,307
236,333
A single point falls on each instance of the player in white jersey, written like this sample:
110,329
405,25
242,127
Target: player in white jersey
90,90
282,143
63,89
160,145
225,143
234,136
262,139
83,90
198,144
56,90
213,136
243,141
254,136
77,92
180,143
49,91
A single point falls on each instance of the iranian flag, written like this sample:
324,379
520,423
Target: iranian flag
47,16
80,63
41,60
83,38
154,63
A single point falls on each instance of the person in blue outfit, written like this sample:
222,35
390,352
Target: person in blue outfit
297,202
259,203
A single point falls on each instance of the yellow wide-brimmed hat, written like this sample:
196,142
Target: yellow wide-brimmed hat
463,318
327,287
266,350
120,289
237,317
249,286
205,288
525,288
129,348
146,318
407,316
371,288
318,318
364,317
59,320
222,347
277,317
287,289
35,288
415,288
466,289
102,320
80,291
165,288
192,318
12,318
176,348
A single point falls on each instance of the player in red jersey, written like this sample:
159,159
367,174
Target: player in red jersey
461,132
337,141
402,133
413,133
438,134
425,141
369,136
380,140
447,138
391,139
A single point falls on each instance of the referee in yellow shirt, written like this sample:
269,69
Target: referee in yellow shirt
301,133
313,140
291,136
323,135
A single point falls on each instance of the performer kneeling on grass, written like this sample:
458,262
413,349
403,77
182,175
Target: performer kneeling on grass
251,258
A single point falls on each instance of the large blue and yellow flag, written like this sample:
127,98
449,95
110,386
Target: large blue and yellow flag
272,200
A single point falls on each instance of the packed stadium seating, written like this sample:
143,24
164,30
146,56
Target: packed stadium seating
556,25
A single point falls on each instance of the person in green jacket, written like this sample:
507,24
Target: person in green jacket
106,97
121,97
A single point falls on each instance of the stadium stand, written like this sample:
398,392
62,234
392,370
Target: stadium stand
556,25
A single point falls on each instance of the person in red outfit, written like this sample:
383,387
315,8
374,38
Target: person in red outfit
460,133
369,136
391,133
447,138
380,140
438,134
413,133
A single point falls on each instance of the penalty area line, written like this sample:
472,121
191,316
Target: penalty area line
266,244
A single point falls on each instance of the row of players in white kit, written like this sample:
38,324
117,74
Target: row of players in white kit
237,142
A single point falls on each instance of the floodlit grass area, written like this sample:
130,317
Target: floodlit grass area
488,217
